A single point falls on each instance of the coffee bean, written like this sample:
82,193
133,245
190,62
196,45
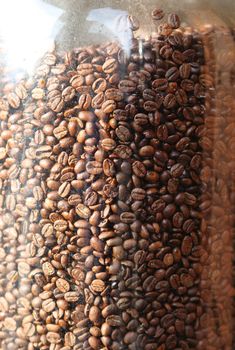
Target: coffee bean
130,337
9,324
53,337
185,70
187,245
186,280
13,100
114,320
48,269
94,167
169,101
60,225
94,314
123,133
157,14
62,285
127,86
76,81
173,20
85,69
110,65
108,144
64,189
98,100
139,169
177,170
68,93
84,101
98,285
138,194
48,305
160,84
3,153
71,297
146,151
83,211
123,152
99,85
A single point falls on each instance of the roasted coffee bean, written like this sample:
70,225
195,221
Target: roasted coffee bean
172,74
185,70
160,84
99,85
123,133
127,86
173,20
139,169
84,101
169,101
157,14
110,65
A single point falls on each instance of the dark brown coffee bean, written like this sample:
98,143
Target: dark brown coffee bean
172,74
187,85
169,101
139,169
186,280
150,106
177,56
160,84
123,152
177,170
185,70
162,132
187,245
138,194
181,97
123,133
127,217
141,119
113,94
146,151
127,86
173,20
178,220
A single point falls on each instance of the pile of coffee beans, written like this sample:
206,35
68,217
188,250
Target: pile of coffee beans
116,180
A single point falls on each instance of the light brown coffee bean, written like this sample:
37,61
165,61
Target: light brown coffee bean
60,225
48,269
62,285
108,144
64,189
13,100
48,305
83,211
110,65
97,285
